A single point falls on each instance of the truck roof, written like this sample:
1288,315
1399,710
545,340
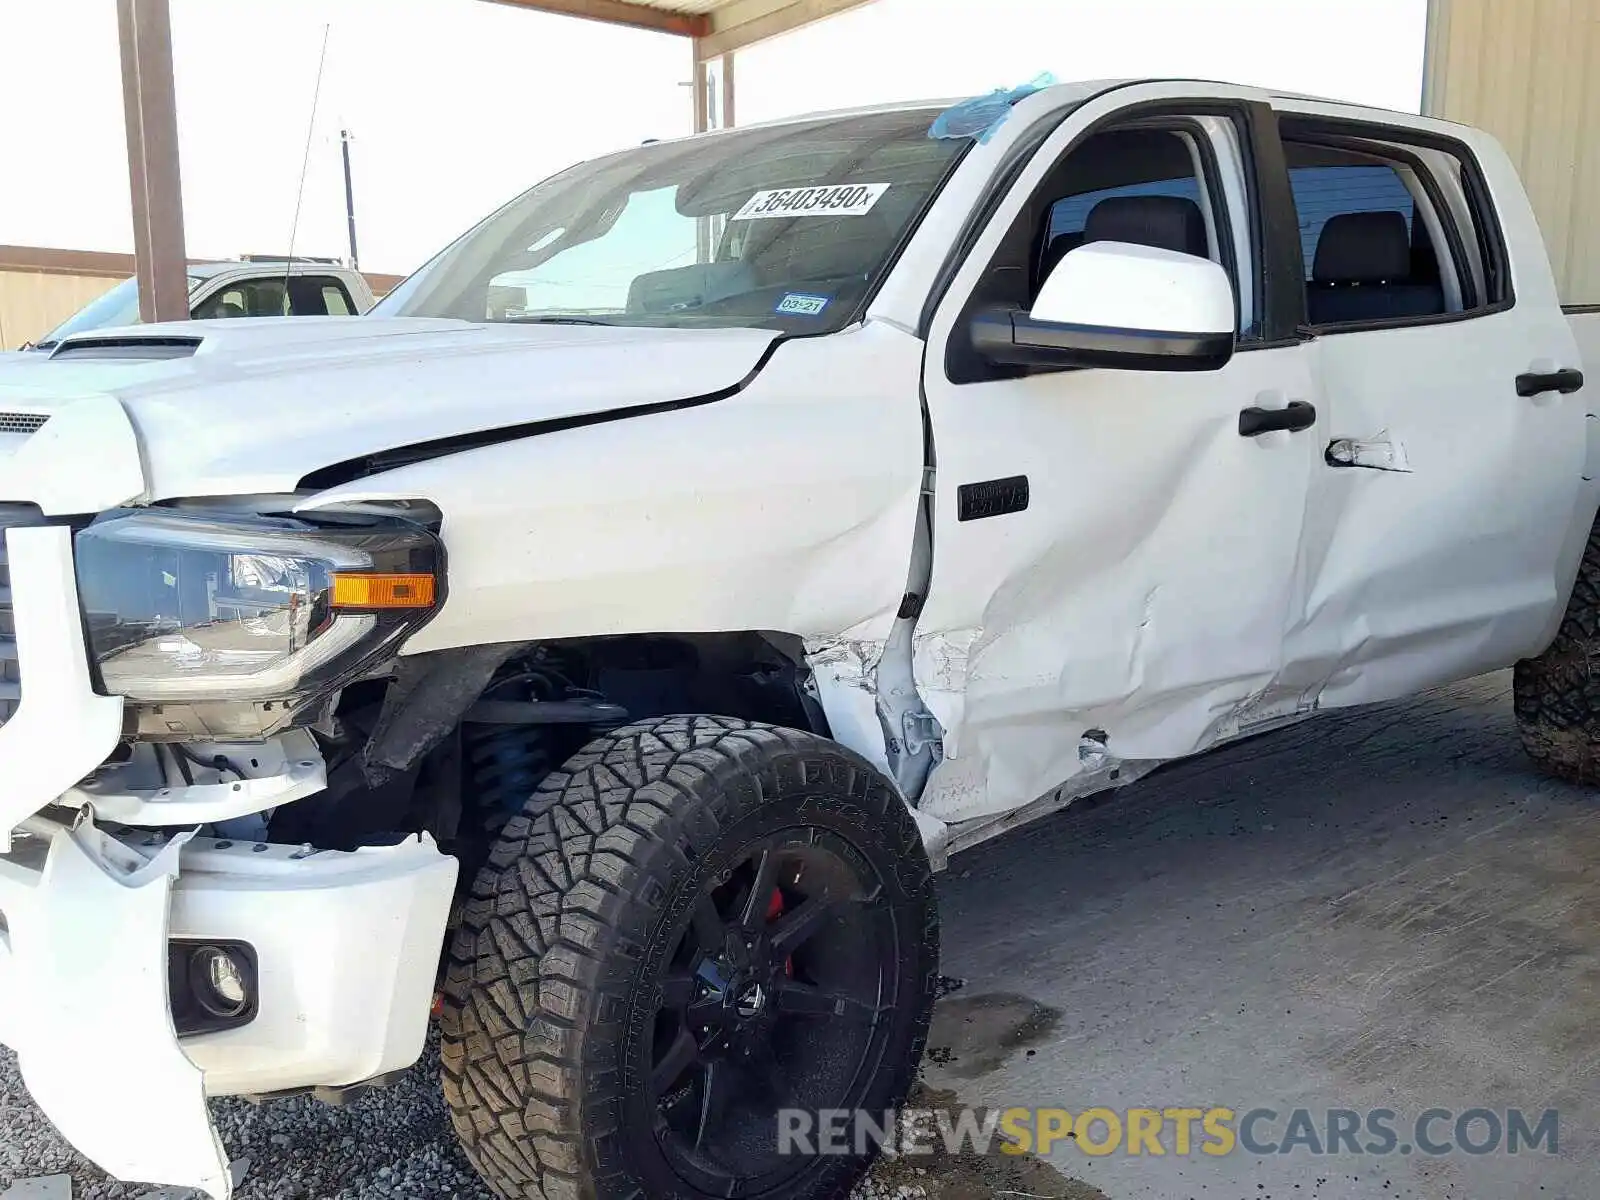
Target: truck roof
261,266
1065,91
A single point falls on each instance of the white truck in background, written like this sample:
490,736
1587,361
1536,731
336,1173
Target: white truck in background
618,632
253,286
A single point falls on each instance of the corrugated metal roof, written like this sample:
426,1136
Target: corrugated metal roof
1528,71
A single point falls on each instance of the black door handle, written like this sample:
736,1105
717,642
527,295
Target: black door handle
1536,383
1297,415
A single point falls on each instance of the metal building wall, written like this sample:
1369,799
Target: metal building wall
33,303
1528,71
41,287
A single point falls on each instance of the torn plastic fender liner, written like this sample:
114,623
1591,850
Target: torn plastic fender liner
430,695
83,1002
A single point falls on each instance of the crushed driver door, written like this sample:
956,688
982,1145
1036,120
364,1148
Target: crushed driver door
1114,552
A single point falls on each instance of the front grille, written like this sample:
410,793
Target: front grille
10,673
14,422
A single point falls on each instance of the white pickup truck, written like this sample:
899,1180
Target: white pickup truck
615,630
249,287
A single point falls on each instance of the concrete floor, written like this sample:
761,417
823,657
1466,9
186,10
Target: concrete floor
1378,909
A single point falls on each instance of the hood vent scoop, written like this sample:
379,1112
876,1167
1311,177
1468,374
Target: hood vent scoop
128,346
15,422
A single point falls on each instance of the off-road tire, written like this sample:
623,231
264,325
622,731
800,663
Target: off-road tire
1557,695
551,964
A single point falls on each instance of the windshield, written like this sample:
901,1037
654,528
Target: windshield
786,227
119,306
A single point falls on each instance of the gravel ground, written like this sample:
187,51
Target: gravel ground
392,1142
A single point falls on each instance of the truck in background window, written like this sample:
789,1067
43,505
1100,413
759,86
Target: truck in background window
251,287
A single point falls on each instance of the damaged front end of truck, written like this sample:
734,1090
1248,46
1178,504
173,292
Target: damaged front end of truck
236,821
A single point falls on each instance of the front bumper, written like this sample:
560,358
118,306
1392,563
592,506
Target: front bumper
348,950
61,730
347,945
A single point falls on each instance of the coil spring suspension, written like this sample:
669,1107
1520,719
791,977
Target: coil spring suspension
506,763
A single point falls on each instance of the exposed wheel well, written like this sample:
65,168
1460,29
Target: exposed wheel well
453,742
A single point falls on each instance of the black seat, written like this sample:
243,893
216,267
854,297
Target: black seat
1166,222
1362,272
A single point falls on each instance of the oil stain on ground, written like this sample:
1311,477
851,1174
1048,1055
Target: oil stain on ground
971,1036
941,1175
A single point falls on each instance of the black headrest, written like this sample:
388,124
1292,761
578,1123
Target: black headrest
1167,222
1363,247
1060,246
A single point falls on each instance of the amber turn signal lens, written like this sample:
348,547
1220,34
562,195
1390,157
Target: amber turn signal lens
382,591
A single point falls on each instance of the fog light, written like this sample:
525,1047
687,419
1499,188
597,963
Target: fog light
213,986
219,982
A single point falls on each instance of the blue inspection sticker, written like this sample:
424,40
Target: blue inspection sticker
799,304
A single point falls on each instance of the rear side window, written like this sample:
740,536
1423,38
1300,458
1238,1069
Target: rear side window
1392,230
1323,192
252,298
318,296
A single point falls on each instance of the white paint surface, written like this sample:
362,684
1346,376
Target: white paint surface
86,457
348,945
337,389
62,730
1123,286
1173,584
790,506
83,1002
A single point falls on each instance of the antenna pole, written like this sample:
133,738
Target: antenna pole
349,198
305,161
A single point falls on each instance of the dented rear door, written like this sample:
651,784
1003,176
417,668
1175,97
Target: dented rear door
1113,561
1446,523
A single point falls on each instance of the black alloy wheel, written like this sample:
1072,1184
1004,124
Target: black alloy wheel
695,924
778,997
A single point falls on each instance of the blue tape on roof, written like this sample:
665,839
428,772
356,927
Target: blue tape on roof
982,115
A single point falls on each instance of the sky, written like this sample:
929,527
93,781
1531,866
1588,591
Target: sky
455,106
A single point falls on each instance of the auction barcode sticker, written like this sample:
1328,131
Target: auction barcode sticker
834,200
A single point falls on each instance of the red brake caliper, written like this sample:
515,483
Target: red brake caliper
774,911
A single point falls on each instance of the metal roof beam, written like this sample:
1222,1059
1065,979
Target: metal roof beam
741,23
151,116
621,12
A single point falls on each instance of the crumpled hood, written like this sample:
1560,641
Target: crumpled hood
254,406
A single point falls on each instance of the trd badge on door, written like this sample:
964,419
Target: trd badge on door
991,498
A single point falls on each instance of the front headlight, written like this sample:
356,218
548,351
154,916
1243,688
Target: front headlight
191,608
